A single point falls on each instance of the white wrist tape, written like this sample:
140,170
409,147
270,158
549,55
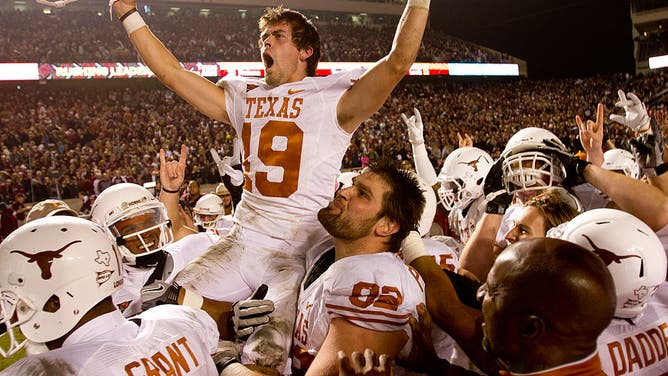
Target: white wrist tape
191,299
133,22
418,3
412,247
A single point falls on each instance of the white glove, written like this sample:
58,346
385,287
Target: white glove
250,313
415,127
225,168
412,247
636,114
236,176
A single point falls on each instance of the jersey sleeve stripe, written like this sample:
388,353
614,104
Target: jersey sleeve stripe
368,312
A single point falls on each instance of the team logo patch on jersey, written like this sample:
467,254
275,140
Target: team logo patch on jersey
607,256
44,259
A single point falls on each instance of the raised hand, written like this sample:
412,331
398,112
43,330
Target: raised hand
172,173
591,136
636,116
465,141
415,127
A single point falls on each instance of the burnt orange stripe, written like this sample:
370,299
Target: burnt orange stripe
368,312
379,321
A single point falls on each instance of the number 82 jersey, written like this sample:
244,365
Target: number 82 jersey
374,291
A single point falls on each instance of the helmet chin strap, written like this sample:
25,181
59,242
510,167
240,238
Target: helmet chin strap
151,260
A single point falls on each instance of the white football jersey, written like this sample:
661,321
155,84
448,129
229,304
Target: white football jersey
292,149
463,220
169,340
180,253
641,347
444,255
375,291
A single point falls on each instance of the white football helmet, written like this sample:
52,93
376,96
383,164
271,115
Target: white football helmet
134,217
621,160
462,177
528,164
53,271
208,210
633,253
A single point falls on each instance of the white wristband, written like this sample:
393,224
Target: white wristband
191,299
133,22
418,3
412,247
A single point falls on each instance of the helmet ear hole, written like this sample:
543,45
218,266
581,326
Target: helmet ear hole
52,305
642,268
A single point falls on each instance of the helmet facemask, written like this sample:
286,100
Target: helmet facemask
142,234
531,171
14,312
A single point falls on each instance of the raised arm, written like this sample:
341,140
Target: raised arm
208,98
172,174
374,86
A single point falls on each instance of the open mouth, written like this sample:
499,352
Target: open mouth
268,61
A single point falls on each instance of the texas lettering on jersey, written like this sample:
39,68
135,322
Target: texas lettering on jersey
262,107
177,358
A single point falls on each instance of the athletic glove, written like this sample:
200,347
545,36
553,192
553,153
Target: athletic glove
158,293
496,194
574,167
226,354
636,114
415,127
225,168
648,147
251,313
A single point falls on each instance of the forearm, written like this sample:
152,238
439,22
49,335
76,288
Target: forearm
408,37
644,201
423,165
171,202
459,321
152,51
220,312
477,256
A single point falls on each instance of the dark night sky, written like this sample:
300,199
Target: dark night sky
557,38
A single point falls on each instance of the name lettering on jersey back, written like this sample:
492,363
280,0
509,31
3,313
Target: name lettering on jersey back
175,360
262,107
640,350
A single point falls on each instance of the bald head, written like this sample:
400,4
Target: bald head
559,297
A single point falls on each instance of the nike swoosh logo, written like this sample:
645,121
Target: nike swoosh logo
309,306
294,91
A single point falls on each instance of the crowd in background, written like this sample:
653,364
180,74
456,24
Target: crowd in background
71,35
74,141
